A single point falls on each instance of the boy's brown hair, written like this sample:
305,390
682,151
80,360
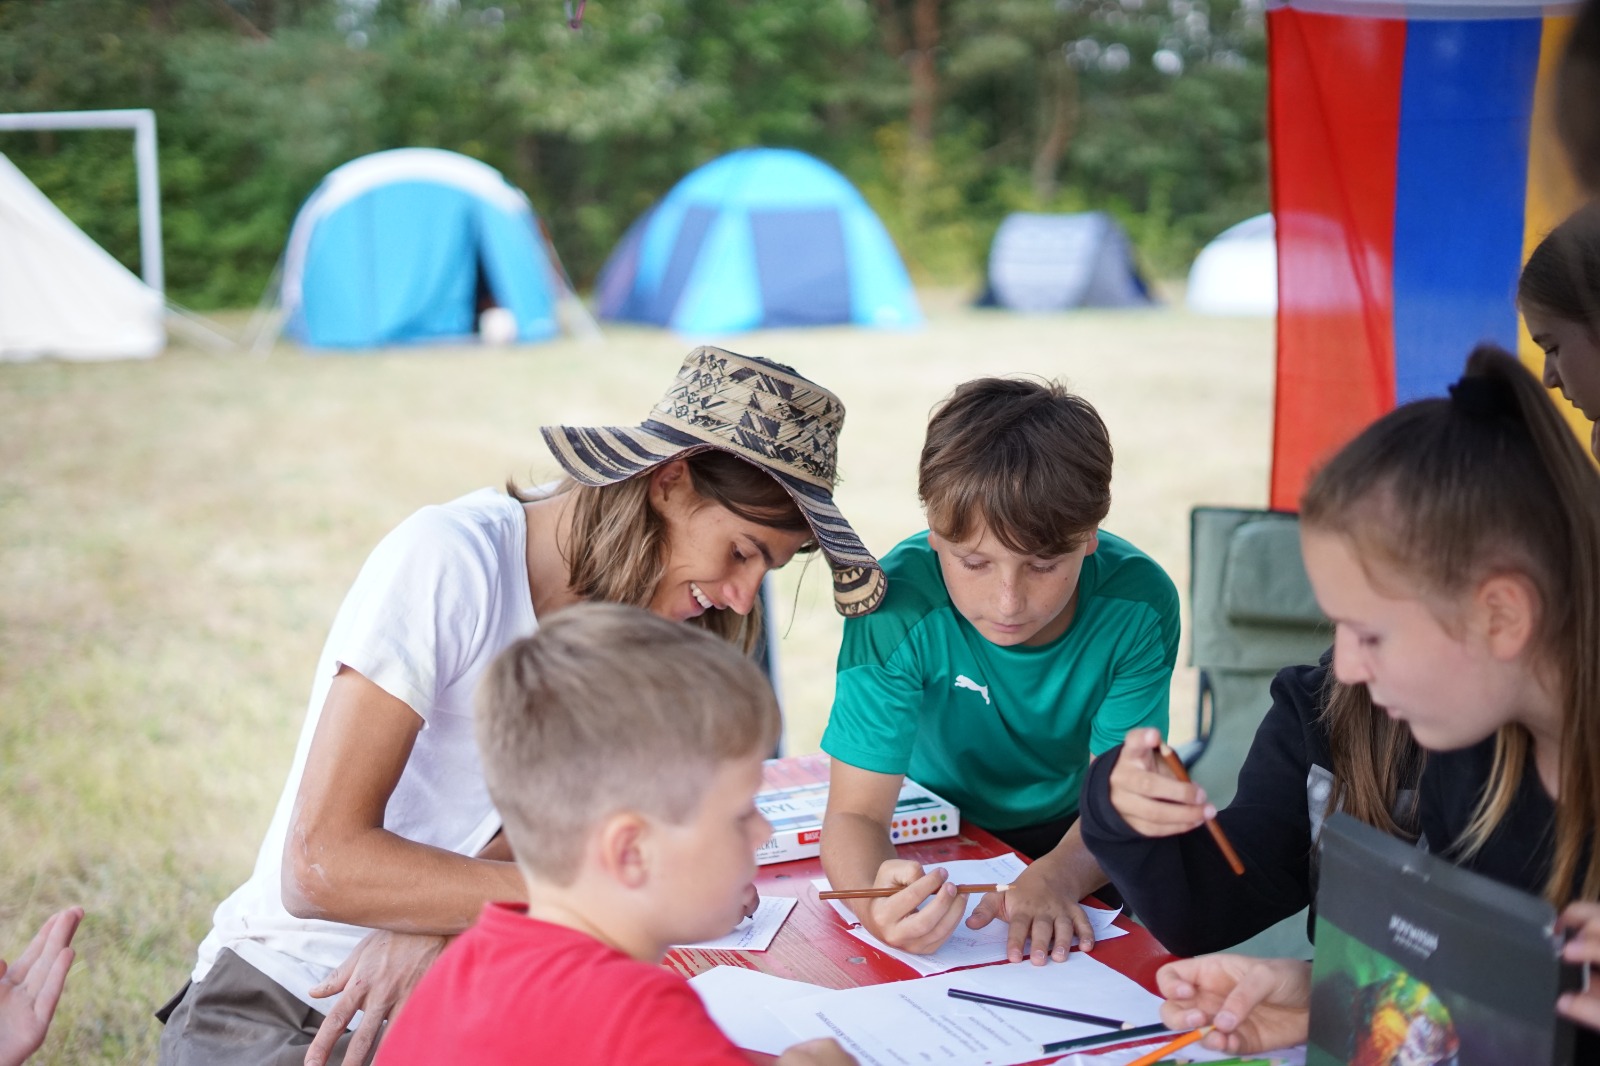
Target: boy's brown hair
608,709
1024,457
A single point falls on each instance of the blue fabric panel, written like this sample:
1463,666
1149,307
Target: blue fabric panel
520,275
1465,106
722,295
685,251
393,266
801,267
618,294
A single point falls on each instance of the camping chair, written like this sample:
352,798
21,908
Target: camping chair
1253,613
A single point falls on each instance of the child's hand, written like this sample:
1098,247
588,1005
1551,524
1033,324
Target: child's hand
826,1052
752,900
1148,797
1042,906
31,987
895,919
1255,1004
1584,947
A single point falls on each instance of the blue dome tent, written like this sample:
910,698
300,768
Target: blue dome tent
761,238
409,246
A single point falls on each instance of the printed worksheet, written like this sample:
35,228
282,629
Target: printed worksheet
917,1021
756,932
971,947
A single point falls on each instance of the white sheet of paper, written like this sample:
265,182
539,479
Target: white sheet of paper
738,1000
916,1021
971,947
756,932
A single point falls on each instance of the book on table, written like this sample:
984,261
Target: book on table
1421,962
794,796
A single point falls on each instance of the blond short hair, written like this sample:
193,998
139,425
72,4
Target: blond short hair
609,709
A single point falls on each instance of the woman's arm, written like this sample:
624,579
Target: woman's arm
339,863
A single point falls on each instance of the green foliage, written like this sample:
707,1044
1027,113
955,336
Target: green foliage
1043,105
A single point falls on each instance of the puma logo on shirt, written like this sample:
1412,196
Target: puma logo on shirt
963,681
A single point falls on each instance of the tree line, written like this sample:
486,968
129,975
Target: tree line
947,114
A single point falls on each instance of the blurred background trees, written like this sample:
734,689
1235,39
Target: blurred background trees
948,114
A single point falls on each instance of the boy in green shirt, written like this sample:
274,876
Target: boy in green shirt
1017,641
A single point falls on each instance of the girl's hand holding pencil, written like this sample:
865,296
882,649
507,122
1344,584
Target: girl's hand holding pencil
1252,1004
1167,800
1152,800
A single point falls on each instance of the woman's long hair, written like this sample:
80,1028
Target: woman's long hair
616,551
1446,493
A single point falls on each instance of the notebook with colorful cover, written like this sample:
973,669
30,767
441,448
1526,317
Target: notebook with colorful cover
1423,963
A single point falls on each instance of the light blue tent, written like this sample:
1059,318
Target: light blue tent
408,246
761,238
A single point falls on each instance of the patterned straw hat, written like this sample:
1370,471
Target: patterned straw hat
760,411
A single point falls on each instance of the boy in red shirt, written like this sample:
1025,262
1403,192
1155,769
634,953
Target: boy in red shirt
623,753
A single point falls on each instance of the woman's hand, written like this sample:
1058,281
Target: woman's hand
896,920
1042,906
31,987
376,979
1148,797
1584,947
1255,1004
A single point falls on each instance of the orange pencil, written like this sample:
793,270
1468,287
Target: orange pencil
874,893
1166,1049
1175,764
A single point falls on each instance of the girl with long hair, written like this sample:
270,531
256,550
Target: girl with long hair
1456,545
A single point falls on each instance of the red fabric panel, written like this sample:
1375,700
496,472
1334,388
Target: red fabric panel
1334,128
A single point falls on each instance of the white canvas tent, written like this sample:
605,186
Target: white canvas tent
61,294
1237,273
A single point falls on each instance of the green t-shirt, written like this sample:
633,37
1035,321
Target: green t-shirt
1003,733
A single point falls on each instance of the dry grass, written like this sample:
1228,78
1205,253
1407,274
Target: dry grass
177,535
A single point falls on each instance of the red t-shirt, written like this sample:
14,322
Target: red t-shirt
513,989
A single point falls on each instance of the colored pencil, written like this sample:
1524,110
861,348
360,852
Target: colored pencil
874,893
1172,1045
1036,1008
1104,1038
1175,764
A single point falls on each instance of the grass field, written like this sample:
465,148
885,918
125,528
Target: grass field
177,535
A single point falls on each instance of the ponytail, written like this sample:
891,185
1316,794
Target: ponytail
1449,492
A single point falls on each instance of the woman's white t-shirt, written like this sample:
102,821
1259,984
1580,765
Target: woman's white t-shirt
437,599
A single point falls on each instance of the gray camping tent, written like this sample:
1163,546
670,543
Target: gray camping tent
1055,262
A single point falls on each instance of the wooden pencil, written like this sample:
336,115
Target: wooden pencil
874,893
1175,764
1173,1045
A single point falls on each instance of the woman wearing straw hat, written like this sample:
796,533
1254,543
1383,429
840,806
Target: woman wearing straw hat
385,823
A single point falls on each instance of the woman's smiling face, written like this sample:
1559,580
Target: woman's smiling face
714,558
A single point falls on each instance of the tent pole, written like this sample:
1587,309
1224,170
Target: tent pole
142,121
